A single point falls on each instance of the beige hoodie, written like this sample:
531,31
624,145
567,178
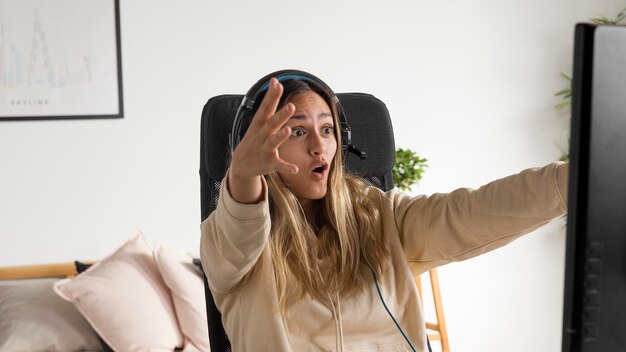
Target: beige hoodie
421,233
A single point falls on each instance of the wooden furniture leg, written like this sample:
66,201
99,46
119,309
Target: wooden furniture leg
439,328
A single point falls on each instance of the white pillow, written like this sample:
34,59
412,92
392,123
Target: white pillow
187,287
125,300
34,318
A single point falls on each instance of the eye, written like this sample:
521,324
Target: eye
297,132
327,129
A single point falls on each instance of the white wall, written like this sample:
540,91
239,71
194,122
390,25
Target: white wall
469,85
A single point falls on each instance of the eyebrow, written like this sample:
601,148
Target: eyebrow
303,117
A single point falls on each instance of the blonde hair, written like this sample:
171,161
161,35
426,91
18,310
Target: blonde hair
347,233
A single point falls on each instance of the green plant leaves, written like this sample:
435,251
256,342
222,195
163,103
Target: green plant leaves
565,94
603,20
408,169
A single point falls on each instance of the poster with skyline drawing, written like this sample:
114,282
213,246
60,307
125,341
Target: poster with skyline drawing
60,59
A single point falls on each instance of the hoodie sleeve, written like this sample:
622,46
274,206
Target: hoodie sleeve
443,228
233,238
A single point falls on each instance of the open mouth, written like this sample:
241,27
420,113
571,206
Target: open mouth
319,171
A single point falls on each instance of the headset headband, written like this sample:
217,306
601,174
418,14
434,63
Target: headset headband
248,104
286,77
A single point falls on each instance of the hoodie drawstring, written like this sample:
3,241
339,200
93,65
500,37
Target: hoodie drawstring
340,322
336,312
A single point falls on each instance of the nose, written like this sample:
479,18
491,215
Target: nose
317,145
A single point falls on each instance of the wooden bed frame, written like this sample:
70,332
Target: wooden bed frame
59,270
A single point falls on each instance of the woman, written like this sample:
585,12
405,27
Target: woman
303,257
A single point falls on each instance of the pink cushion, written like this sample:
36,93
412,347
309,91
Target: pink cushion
125,300
187,287
34,318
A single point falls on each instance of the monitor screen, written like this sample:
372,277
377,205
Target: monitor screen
594,316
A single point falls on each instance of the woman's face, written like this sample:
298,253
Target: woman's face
311,146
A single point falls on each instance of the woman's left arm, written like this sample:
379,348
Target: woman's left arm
465,223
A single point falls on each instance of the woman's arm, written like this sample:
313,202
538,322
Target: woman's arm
233,238
465,223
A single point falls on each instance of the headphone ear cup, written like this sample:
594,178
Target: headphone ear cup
346,133
240,126
234,136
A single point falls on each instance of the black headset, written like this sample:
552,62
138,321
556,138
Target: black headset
255,95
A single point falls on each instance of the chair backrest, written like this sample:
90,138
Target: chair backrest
372,133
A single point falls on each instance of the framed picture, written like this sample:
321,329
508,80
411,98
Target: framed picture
60,59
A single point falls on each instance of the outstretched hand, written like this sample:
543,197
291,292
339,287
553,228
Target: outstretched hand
257,153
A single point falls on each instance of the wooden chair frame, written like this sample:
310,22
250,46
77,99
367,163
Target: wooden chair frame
438,329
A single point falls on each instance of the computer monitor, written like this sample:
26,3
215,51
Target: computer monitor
594,315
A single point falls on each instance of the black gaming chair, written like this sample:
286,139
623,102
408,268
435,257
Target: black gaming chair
372,133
